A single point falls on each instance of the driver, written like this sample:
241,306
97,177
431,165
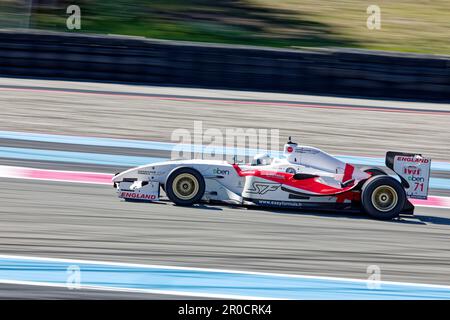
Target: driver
262,159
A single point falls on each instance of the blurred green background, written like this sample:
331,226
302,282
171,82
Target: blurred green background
408,26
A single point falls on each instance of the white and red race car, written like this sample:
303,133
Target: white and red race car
304,178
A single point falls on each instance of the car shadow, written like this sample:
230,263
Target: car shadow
202,205
434,220
347,215
357,215
305,212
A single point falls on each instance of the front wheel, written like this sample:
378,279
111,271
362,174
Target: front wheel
383,197
185,186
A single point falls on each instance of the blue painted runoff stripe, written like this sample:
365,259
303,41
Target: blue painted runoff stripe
165,146
117,160
205,282
440,183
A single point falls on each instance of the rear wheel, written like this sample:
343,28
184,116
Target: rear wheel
185,186
383,197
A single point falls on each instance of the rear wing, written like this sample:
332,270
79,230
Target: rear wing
414,172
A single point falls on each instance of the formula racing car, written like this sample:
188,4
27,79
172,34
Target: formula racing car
303,178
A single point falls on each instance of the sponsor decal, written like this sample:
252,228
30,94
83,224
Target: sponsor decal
414,173
276,203
150,172
412,170
306,150
146,172
275,175
140,196
416,179
413,159
415,170
263,187
221,172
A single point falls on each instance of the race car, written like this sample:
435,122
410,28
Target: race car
302,178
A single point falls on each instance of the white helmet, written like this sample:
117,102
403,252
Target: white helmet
262,159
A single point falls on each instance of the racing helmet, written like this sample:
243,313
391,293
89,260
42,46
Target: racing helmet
262,159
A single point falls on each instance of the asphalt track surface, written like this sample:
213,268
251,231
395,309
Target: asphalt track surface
79,221
337,125
65,220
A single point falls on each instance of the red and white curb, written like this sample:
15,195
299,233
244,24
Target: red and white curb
105,179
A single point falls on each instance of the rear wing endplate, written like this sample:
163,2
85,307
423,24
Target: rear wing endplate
414,172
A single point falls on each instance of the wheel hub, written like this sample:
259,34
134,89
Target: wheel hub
384,198
185,186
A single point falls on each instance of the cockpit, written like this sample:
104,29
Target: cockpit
262,159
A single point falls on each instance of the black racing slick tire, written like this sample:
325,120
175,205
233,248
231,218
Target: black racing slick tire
185,186
383,197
